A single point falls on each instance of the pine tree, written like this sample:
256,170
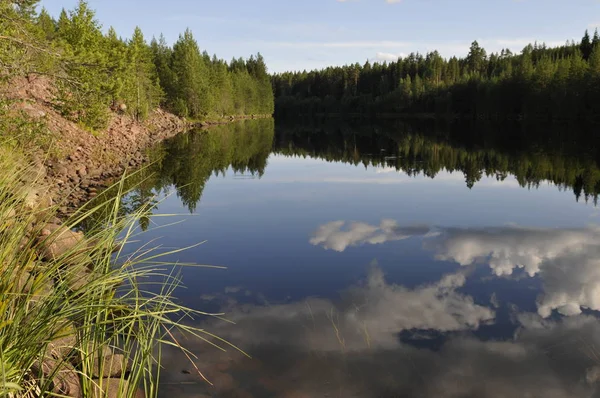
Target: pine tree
21,50
142,92
116,51
62,26
594,62
25,8
476,58
162,56
88,100
586,46
47,25
191,86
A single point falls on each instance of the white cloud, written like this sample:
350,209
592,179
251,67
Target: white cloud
331,236
389,57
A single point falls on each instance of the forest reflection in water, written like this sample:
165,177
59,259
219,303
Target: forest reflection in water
348,286
533,156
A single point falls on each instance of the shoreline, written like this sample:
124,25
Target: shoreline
59,187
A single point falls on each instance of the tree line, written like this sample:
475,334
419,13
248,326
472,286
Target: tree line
94,71
539,82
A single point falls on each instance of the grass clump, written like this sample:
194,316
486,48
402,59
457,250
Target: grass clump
77,318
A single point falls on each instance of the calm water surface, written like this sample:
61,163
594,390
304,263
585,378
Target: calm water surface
381,263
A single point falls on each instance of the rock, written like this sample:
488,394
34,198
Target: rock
110,365
31,199
25,283
65,380
94,173
60,170
63,347
45,201
111,388
35,288
56,241
77,276
50,228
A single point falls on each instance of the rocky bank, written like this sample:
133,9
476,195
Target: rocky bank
83,161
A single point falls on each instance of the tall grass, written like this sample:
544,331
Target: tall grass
68,318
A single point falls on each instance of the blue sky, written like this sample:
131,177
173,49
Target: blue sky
308,34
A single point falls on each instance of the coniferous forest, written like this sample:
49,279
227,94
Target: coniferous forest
94,71
540,82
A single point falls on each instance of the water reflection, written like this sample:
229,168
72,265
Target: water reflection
189,160
532,154
566,260
534,157
381,339
346,282
373,342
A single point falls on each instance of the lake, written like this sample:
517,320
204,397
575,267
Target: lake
382,261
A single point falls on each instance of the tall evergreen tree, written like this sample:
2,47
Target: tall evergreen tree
191,85
586,46
47,25
142,91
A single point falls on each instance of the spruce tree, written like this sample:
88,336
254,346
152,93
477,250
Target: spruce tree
596,39
586,46
86,101
47,25
190,73
142,92
162,56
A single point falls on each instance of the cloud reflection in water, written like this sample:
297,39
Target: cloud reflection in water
566,260
350,346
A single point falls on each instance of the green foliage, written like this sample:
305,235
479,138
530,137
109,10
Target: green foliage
539,82
197,85
47,25
141,89
18,130
84,96
94,72
21,49
70,302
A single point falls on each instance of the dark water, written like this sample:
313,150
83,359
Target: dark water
390,261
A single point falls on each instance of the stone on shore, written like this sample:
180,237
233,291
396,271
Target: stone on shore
56,241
